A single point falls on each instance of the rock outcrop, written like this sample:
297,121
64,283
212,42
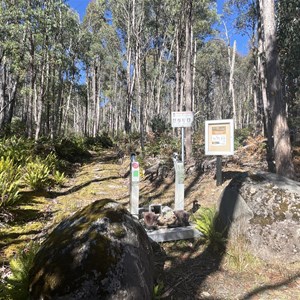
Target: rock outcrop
265,208
101,252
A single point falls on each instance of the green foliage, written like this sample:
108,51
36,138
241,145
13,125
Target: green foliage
18,282
72,149
17,149
158,291
9,182
206,221
37,175
239,257
241,135
159,125
101,141
165,146
59,178
52,162
17,128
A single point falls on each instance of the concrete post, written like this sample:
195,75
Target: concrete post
179,185
134,186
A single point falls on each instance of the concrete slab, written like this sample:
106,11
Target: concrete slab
173,234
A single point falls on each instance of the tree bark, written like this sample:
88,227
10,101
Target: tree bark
282,145
188,77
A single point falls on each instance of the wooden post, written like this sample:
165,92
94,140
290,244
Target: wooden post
219,170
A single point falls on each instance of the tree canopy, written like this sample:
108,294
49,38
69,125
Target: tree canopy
129,62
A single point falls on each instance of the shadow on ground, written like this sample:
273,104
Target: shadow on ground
185,273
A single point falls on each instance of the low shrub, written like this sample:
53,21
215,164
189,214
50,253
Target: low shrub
72,149
17,149
241,135
59,178
18,281
158,291
9,181
205,220
105,140
164,146
159,125
37,175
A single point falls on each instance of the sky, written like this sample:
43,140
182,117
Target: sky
241,41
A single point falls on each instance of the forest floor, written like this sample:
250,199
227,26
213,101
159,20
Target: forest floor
185,269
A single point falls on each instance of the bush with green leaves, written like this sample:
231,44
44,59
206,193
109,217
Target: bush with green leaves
18,281
159,125
17,149
17,127
9,181
72,149
59,178
52,162
164,146
206,220
241,135
158,291
103,140
37,175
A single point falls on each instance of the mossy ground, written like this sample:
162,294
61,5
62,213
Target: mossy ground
187,269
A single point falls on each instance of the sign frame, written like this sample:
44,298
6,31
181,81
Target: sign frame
219,137
182,118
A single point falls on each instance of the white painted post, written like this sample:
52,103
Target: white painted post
179,185
182,145
134,186
180,119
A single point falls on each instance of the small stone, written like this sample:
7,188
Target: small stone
205,294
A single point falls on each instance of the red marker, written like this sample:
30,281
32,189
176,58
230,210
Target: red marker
135,165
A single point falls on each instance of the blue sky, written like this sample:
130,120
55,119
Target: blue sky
242,41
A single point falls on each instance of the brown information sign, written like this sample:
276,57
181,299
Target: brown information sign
219,137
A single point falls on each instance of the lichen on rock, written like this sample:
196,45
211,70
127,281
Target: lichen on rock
99,252
265,208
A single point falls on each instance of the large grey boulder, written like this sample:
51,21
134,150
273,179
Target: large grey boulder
101,252
265,207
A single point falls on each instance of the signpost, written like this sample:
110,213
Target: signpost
180,119
134,185
219,140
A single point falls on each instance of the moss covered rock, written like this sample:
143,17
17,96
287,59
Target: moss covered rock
265,207
101,252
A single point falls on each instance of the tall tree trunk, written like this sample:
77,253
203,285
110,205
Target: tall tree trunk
188,76
282,145
178,72
95,97
231,84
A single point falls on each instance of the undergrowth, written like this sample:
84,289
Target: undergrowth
205,220
17,284
239,256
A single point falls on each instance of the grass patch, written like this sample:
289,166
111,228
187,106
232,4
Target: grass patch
239,256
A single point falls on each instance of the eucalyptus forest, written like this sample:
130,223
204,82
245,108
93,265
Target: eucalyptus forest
132,62
79,94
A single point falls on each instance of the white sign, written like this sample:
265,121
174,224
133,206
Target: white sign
219,137
182,119
218,140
